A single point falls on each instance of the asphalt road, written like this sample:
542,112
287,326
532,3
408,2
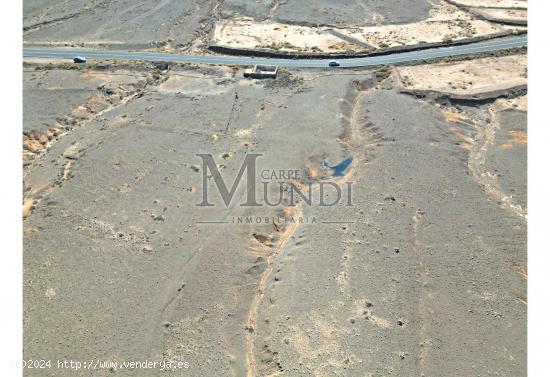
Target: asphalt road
91,54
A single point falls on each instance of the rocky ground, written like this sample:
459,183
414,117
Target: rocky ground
291,26
423,275
444,23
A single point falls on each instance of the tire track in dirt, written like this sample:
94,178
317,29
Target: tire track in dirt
424,276
270,251
358,138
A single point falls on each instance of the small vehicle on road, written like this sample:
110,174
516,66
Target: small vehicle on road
79,59
333,63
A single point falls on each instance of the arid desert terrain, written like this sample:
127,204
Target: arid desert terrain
421,273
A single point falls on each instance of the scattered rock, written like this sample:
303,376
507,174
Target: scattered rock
72,152
30,134
32,146
43,139
56,130
50,293
28,205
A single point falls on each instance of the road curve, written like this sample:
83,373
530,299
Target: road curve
93,54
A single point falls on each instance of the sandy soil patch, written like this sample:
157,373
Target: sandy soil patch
468,77
518,103
446,23
182,84
27,207
492,3
247,33
112,79
503,14
190,82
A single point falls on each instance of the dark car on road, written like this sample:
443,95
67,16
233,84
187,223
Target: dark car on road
79,59
333,63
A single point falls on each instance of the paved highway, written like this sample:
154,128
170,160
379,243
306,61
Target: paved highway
91,54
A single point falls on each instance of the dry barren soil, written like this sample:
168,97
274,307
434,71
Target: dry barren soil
423,274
